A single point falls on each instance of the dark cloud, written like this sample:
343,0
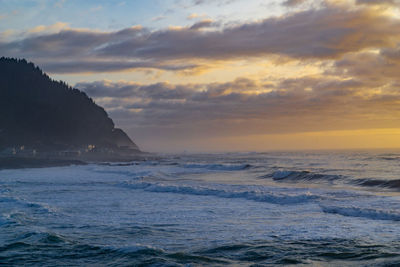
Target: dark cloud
217,2
108,66
377,2
124,89
291,3
376,68
202,24
244,106
391,54
324,33
328,32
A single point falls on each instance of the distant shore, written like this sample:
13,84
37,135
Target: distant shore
22,163
41,162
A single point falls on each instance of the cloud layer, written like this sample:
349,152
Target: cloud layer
325,33
245,106
331,65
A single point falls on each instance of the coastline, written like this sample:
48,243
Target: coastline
25,163
42,162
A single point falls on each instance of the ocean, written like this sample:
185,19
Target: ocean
336,208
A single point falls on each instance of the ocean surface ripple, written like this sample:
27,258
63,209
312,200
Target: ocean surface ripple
239,209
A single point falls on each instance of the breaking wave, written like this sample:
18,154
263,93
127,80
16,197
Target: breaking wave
301,176
311,177
218,167
389,157
369,213
227,192
10,202
393,184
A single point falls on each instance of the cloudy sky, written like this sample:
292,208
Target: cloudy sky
224,75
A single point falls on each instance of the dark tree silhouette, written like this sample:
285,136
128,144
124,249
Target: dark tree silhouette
38,111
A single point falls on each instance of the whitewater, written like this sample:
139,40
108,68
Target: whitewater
329,208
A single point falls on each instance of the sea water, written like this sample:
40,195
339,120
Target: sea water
238,209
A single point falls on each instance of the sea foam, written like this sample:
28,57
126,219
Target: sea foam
225,191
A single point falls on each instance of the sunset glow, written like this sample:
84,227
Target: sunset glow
224,75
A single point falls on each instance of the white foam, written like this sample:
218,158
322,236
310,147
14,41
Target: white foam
226,191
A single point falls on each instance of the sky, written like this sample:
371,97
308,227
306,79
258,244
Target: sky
223,75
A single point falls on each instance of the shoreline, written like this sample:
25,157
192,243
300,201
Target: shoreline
9,163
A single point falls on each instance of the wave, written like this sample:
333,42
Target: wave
8,200
42,207
369,213
389,157
50,249
167,169
118,164
70,254
131,163
135,174
307,176
218,167
301,176
227,192
261,252
393,184
281,252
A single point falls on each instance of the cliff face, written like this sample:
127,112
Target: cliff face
37,111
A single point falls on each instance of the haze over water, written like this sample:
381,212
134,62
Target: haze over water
308,208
